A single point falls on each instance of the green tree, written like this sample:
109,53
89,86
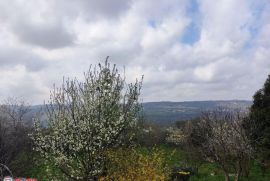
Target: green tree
86,118
258,123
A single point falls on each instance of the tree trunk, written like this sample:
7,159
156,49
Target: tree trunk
238,171
263,168
226,174
237,175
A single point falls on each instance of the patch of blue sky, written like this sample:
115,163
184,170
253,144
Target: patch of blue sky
152,23
192,32
193,7
253,34
255,26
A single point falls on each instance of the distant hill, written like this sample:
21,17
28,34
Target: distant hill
166,113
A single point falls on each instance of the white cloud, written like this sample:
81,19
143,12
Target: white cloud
205,73
41,41
19,82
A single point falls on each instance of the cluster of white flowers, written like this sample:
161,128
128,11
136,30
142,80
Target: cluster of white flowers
85,119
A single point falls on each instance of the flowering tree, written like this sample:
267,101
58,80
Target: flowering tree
221,139
85,118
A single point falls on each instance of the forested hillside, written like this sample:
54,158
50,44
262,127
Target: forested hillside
166,113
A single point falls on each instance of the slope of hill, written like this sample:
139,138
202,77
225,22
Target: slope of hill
166,113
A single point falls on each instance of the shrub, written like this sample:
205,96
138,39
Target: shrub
131,164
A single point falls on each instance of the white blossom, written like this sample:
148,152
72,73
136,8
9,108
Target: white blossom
85,119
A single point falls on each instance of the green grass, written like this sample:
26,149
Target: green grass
180,158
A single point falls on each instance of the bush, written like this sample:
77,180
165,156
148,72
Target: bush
150,134
131,164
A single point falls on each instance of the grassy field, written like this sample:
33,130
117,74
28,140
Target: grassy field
174,157
208,171
205,171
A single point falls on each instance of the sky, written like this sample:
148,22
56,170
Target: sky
186,49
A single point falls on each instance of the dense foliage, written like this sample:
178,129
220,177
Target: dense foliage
260,118
15,144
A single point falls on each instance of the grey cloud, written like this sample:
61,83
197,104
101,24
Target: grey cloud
105,8
36,25
47,36
91,9
55,29
10,57
28,89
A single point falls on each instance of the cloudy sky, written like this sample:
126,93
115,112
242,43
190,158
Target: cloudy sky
186,49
